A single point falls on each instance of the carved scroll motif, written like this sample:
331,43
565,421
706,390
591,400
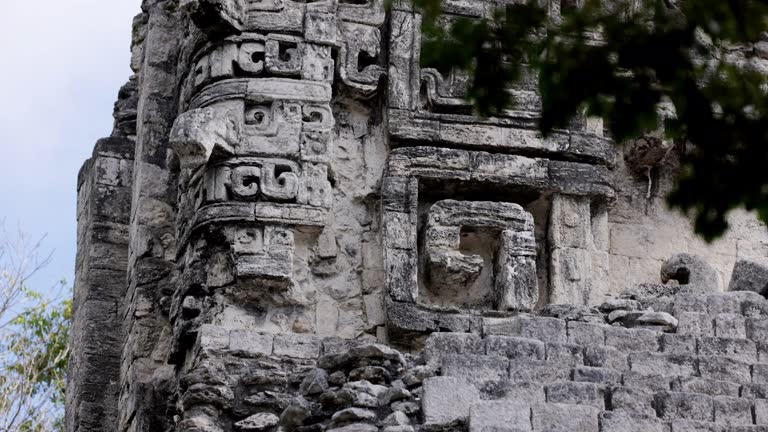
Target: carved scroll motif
359,58
255,55
252,180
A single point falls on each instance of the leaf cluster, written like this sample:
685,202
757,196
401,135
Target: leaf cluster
621,61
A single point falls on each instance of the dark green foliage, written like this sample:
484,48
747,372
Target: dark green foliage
619,61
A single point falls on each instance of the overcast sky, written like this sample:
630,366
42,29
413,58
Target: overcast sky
61,66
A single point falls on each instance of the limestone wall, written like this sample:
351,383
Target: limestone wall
644,231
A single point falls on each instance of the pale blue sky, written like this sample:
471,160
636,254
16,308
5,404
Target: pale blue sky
61,65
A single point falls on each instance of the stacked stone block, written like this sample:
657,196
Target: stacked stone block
521,373
104,196
549,374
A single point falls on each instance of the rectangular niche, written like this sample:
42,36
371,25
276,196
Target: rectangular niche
444,273
462,255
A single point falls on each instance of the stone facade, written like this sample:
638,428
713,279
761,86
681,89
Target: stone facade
297,226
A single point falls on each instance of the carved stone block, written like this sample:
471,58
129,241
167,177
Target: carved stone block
263,252
512,259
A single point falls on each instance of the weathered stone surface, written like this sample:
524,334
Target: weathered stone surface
632,401
440,344
749,276
691,270
537,371
632,339
663,364
258,422
270,204
655,382
397,418
761,411
678,344
597,375
513,267
621,422
757,329
566,354
606,357
581,393
724,369
374,374
661,319
516,348
729,325
564,418
580,333
732,411
696,426
499,415
740,349
475,368
541,328
447,399
315,382
705,386
518,392
352,415
696,324
250,343
355,427
688,406
299,346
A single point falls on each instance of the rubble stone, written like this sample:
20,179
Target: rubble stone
258,422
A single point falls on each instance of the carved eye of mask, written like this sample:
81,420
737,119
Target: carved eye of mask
258,116
313,117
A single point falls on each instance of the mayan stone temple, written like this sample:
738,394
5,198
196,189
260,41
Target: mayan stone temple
295,226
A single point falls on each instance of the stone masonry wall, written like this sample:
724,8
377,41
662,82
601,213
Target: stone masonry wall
289,194
565,374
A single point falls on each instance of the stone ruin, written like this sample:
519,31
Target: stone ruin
297,226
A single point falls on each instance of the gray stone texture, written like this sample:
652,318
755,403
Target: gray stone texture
749,276
556,417
447,399
500,415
